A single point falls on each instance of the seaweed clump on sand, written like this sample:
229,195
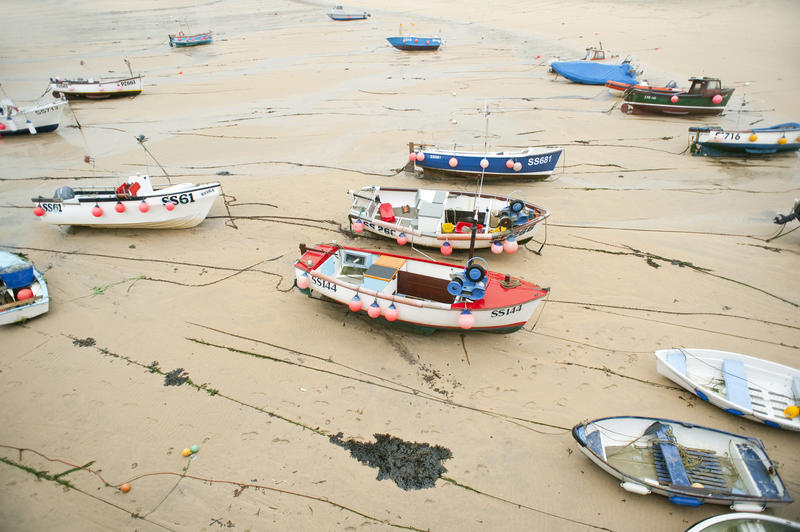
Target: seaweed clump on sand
410,465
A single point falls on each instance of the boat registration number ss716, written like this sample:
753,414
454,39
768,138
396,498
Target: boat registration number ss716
327,285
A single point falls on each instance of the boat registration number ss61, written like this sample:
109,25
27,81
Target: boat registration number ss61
179,198
51,207
540,160
327,285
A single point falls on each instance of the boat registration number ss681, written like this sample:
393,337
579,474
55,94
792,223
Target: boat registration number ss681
540,160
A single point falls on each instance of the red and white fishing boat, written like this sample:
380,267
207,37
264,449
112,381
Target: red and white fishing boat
443,218
135,204
416,292
96,89
618,88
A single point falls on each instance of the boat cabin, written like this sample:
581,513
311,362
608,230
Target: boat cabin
705,86
596,54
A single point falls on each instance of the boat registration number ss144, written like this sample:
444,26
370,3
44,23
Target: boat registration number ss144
324,284
505,311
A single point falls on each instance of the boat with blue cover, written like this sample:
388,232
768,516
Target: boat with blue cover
754,388
595,73
181,40
530,162
23,292
718,142
412,43
689,464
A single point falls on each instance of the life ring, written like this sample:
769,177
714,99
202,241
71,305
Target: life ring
180,34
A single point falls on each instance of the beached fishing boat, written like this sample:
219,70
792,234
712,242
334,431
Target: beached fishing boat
415,292
73,88
530,162
338,12
618,88
182,40
719,142
757,389
704,97
135,204
688,463
412,43
30,120
443,219
744,522
23,292
595,73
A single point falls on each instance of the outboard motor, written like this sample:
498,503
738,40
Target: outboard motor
469,284
64,193
515,213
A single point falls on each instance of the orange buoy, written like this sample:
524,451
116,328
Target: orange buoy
753,137
782,141
186,452
125,488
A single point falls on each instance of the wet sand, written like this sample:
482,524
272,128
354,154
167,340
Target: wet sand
647,248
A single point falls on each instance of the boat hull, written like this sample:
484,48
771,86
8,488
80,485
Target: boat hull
651,101
533,162
96,90
744,521
191,206
690,464
182,41
502,310
412,44
32,120
769,385
718,142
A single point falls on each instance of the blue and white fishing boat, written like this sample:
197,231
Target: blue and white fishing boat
412,43
595,73
530,162
41,117
338,12
754,388
23,292
181,40
719,142
690,464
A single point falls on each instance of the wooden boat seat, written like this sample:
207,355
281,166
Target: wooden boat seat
672,463
594,440
423,287
677,360
736,389
752,470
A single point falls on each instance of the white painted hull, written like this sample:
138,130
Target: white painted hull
31,120
621,448
744,522
40,304
96,89
428,231
747,141
192,204
769,384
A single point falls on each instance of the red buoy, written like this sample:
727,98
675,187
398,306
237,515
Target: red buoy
25,293
169,206
119,207
143,206
38,210
97,211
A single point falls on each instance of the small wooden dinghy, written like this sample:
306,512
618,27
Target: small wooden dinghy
338,12
23,292
754,388
704,97
182,40
719,142
688,463
419,293
744,522
530,162
135,203
413,43
443,219
38,118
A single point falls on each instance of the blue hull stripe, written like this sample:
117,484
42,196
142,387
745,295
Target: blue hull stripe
540,164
